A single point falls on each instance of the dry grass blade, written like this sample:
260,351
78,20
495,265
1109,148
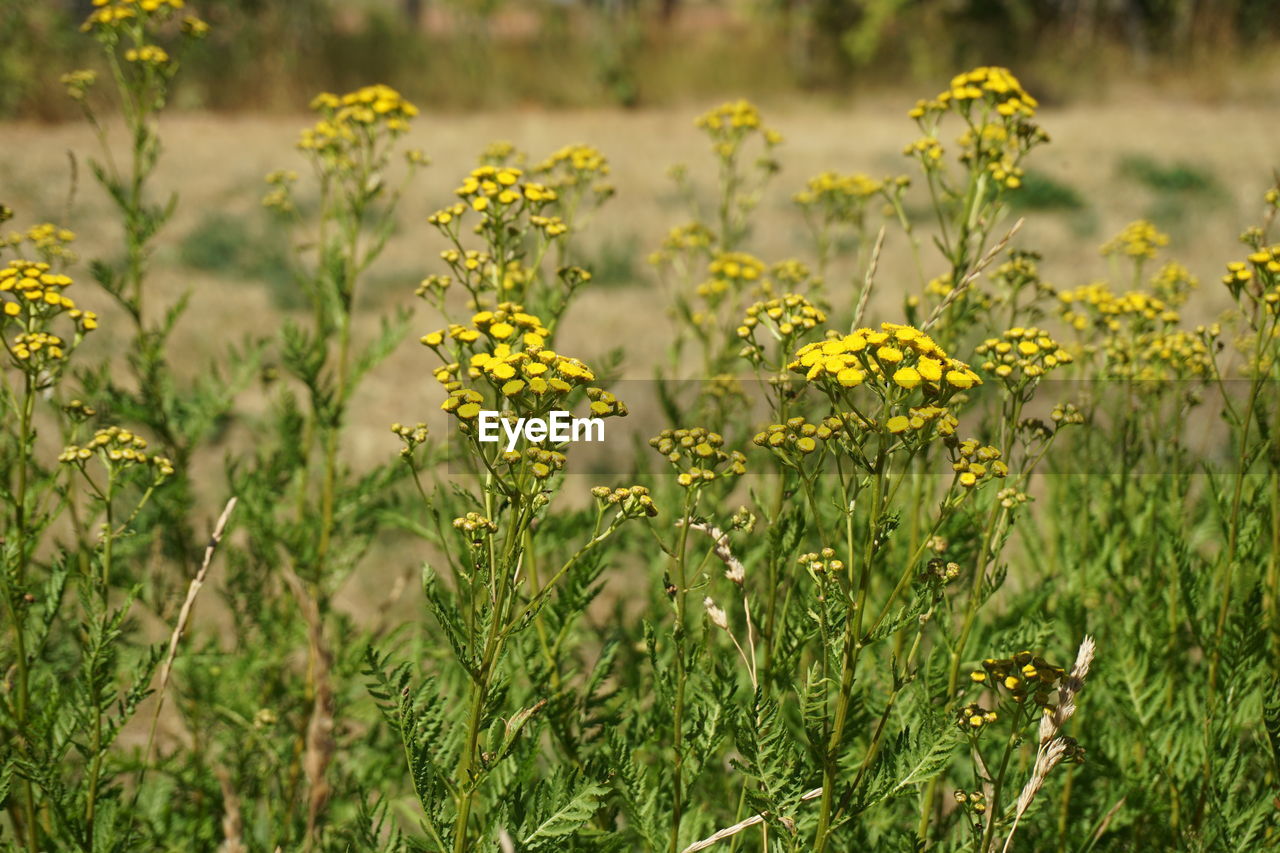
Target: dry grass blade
319,741
184,616
1053,748
232,820
730,831
872,265
736,572
972,276
1067,691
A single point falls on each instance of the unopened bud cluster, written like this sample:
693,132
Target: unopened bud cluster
633,501
118,448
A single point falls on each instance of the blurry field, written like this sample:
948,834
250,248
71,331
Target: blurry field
1196,170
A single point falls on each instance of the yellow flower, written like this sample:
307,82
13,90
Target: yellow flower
907,377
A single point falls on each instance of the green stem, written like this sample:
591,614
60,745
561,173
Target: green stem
95,771
997,784
17,616
678,637
852,643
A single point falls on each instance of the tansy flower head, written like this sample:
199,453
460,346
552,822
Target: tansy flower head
785,319
1022,354
1139,239
835,197
1024,676
890,359
730,272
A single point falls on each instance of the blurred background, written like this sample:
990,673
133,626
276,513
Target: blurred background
481,54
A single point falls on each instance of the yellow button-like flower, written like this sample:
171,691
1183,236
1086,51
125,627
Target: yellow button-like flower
907,377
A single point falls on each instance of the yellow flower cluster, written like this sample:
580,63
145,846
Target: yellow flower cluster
944,570
500,324
918,417
433,286
37,347
1155,356
895,356
1011,497
412,436
1022,272
1023,675
927,149
112,13
52,241
49,241
576,166
476,526
683,239
792,273
633,501
798,434
784,316
1140,239
993,148
698,456
79,82
195,27
501,153
281,197
1022,353
973,717
838,196
542,463
1096,303
975,463
821,562
495,189
148,54
40,296
730,272
517,366
1258,276
731,124
116,448
470,261
999,116
1173,283
353,120
552,226
992,86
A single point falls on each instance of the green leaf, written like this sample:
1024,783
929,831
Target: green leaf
567,819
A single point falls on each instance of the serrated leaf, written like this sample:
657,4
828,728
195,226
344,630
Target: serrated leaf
567,819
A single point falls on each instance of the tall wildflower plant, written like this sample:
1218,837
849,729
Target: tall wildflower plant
832,604
514,574
141,44
310,517
71,683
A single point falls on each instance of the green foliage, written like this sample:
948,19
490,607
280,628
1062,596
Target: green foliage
1039,192
243,251
866,623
